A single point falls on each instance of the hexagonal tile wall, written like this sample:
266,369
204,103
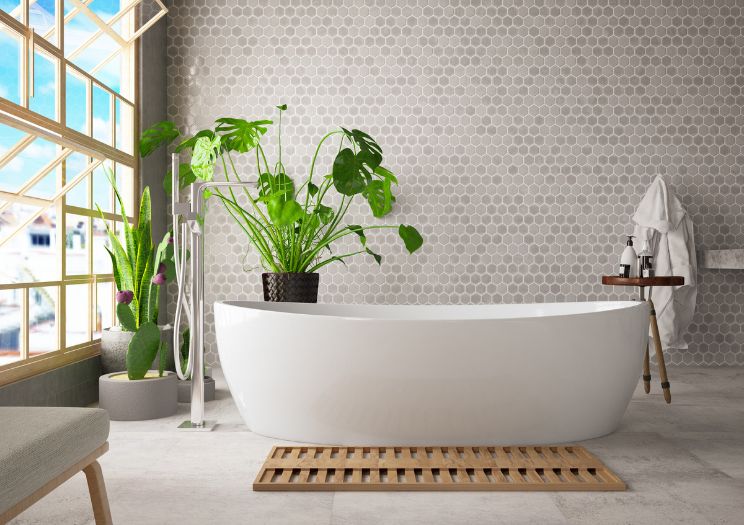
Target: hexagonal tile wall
524,134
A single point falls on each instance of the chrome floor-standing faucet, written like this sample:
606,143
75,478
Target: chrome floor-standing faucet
188,243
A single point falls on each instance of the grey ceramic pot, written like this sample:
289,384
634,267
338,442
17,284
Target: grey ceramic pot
184,390
114,345
149,398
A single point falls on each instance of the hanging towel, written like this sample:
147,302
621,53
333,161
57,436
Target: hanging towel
663,221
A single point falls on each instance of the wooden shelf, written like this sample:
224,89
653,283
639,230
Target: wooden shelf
670,280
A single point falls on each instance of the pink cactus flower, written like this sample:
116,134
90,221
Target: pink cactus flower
161,268
125,296
159,279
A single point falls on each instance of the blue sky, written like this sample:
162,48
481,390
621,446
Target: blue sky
39,152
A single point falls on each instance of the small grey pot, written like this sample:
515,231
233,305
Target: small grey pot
149,398
114,345
184,390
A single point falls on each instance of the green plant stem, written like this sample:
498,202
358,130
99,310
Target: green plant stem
333,259
342,233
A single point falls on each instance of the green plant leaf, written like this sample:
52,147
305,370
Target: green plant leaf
348,173
386,174
190,142
377,256
239,134
312,189
185,178
411,237
369,150
360,232
184,350
143,262
117,277
142,350
282,212
379,197
126,317
161,354
283,107
324,213
156,135
204,156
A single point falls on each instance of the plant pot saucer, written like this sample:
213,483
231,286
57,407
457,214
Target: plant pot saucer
136,400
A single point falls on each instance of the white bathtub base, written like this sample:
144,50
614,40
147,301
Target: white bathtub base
405,375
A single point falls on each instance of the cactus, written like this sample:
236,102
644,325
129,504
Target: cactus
139,271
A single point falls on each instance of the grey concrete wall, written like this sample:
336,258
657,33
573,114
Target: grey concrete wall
153,103
71,385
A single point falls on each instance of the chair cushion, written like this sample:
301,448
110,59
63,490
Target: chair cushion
39,443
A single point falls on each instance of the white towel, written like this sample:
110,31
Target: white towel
663,221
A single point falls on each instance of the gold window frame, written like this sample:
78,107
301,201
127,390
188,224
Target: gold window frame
69,141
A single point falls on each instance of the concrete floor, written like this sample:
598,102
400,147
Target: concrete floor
683,463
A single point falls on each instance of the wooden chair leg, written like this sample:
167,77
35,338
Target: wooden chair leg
660,355
646,371
98,497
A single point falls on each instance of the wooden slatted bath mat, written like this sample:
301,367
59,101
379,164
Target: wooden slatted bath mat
516,468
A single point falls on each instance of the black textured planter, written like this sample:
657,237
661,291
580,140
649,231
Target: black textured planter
290,287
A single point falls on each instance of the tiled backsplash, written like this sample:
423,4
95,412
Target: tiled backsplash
523,134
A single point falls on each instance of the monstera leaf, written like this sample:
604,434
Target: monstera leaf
204,156
156,135
239,134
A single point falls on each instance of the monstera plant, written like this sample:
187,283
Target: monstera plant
293,224
139,271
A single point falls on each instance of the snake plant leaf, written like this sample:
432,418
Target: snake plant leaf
156,135
190,142
130,234
283,212
126,317
142,350
204,157
239,134
117,276
360,232
348,173
123,264
144,244
185,178
411,237
162,360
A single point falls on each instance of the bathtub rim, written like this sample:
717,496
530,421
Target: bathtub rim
248,305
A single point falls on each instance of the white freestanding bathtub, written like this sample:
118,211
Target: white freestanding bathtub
431,375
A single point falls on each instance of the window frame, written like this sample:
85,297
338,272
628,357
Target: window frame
69,141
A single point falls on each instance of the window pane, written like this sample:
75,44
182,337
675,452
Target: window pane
103,194
10,326
101,258
41,17
42,318
102,115
77,244
124,124
44,101
125,184
76,102
77,196
10,65
104,308
77,309
32,254
27,163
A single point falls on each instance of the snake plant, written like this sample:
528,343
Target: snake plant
139,271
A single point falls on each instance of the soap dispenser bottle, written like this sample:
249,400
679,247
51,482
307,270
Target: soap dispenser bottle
646,267
629,259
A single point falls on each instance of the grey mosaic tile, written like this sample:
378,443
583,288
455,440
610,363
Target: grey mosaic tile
524,134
